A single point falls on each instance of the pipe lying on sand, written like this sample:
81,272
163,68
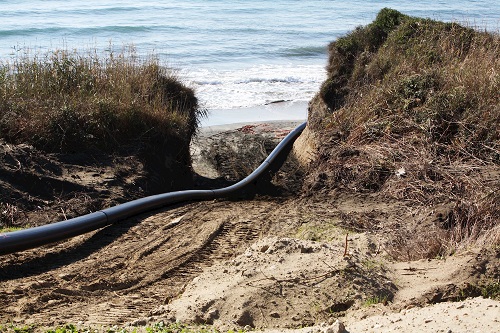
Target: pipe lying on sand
16,241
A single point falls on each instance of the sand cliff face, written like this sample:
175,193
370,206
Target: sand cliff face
306,146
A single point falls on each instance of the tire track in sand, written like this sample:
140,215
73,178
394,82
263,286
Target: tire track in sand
120,273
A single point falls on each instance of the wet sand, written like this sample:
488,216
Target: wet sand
296,111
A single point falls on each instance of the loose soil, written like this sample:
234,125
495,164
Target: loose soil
38,188
274,261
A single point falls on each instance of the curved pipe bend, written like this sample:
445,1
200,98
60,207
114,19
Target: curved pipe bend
33,237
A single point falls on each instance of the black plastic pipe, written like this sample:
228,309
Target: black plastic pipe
15,241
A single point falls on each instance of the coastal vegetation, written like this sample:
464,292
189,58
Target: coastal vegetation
66,101
410,110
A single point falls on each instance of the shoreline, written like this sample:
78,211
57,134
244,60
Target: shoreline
258,127
281,111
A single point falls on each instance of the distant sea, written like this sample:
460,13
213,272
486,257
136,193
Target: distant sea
238,55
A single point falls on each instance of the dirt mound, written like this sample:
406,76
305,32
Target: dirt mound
280,282
38,188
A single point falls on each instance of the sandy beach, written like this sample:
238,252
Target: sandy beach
279,111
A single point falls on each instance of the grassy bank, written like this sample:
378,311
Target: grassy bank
65,101
410,110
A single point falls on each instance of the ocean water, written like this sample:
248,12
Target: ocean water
238,55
